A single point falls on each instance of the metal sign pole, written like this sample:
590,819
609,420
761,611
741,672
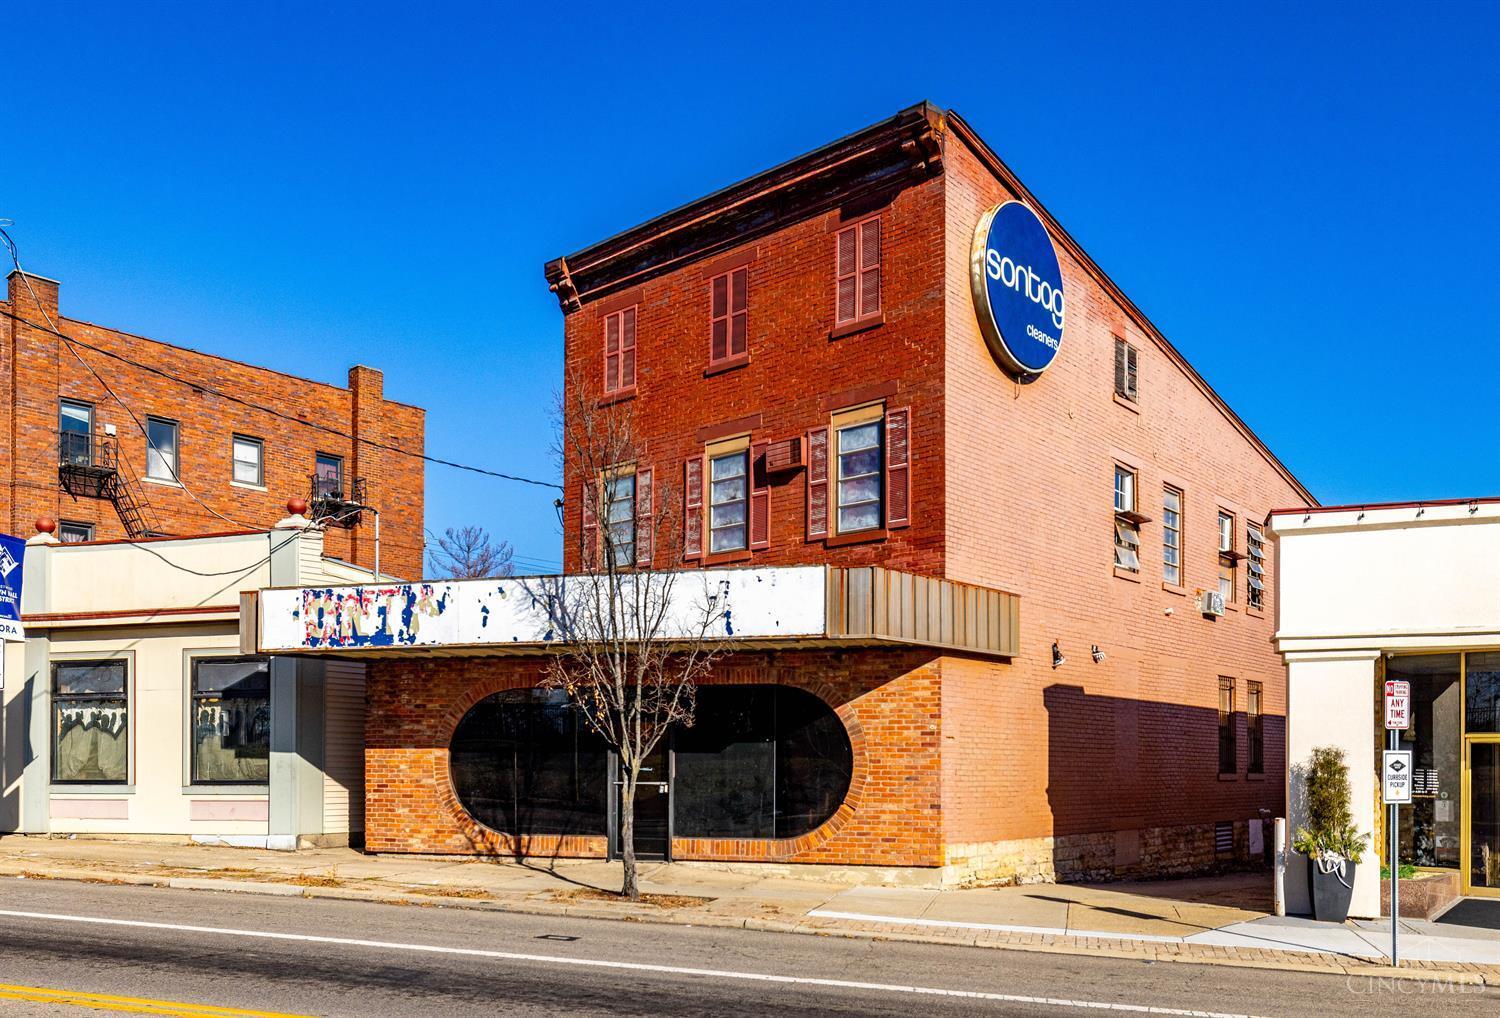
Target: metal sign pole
1395,865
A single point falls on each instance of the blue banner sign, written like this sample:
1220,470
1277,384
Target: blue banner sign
12,552
1018,288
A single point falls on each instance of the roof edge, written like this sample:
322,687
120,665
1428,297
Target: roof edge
966,133
894,152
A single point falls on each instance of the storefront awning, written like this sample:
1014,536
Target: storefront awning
762,607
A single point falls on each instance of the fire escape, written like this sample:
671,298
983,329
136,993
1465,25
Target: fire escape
89,466
330,505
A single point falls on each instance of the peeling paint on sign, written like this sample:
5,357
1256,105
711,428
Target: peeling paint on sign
748,603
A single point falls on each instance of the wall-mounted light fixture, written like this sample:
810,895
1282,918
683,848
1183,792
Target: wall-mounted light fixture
1057,659
1096,653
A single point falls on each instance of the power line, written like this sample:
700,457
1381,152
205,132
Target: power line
262,408
171,468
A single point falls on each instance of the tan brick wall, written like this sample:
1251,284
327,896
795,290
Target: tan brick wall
1130,743
37,369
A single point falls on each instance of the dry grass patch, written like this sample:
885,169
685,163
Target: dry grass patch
614,897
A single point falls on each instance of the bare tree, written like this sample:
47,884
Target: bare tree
636,638
468,553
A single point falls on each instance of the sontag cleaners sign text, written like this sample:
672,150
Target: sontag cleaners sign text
1018,288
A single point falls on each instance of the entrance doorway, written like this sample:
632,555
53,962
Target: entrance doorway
1481,851
653,808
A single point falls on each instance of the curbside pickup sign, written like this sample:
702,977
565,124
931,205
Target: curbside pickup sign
12,552
1395,786
1017,288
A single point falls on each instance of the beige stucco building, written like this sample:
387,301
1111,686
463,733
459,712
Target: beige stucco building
129,709
1403,592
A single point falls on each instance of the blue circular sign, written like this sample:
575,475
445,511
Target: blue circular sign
1018,288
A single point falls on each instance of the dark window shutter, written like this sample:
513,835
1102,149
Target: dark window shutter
692,508
739,311
817,484
645,520
898,468
719,318
1120,367
627,348
848,275
869,267
589,534
1130,372
760,498
611,353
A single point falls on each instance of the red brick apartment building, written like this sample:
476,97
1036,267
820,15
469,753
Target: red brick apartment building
75,452
803,357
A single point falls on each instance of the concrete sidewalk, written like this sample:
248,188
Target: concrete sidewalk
1219,920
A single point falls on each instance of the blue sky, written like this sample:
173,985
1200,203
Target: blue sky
1303,202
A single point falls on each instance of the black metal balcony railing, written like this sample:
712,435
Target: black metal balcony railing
331,504
90,452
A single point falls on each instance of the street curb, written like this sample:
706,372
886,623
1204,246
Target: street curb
1315,964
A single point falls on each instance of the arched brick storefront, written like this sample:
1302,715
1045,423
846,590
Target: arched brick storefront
887,702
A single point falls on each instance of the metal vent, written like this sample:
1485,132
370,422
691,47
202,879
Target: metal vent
1224,837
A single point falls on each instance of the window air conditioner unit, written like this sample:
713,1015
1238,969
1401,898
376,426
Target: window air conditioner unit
1211,602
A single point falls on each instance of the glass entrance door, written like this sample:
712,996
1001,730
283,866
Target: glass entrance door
1482,816
652,808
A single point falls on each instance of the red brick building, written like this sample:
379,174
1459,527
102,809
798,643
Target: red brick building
807,375
197,456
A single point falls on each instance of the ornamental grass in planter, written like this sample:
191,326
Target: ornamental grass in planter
1331,842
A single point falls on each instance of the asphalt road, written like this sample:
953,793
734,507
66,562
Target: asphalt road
74,948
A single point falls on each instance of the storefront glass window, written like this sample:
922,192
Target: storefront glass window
231,721
759,762
90,715
524,762
1430,827
1483,693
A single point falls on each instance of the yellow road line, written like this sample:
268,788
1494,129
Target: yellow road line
130,1005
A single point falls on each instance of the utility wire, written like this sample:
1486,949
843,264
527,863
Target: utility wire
10,246
262,408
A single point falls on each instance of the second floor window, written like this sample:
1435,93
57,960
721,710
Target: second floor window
328,476
249,465
1255,568
619,350
859,278
619,517
1227,557
75,429
1125,370
728,501
729,301
161,449
1171,536
1127,523
859,466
